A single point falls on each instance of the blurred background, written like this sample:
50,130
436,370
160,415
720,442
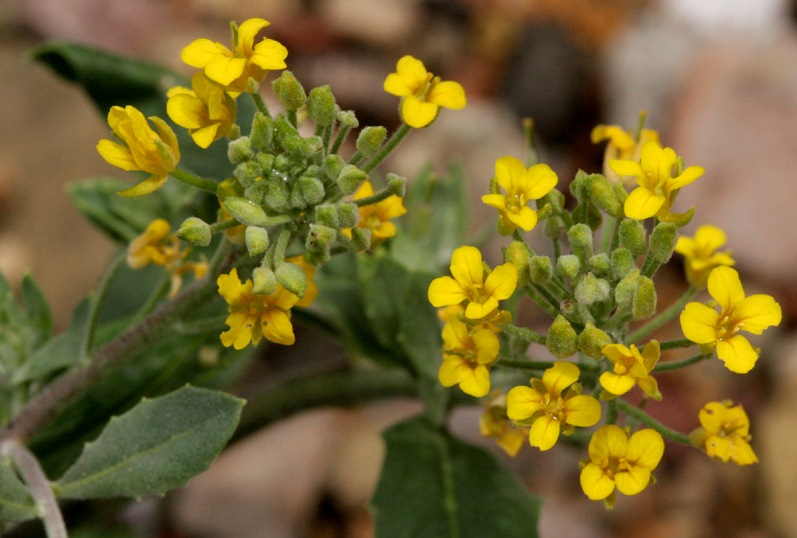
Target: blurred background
717,78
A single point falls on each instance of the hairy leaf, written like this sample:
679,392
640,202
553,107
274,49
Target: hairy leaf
16,504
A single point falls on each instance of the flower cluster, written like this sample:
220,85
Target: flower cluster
593,293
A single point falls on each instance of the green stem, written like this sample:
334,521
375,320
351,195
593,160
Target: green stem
384,194
342,133
524,364
195,181
663,317
607,237
97,303
611,412
675,344
675,365
389,146
223,225
552,309
526,335
356,158
649,421
259,103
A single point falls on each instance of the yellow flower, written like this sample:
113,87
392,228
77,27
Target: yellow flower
311,292
549,412
141,148
622,145
157,246
494,423
615,461
656,188
631,368
233,68
701,253
704,325
468,284
206,110
467,356
520,186
725,433
252,317
377,217
422,93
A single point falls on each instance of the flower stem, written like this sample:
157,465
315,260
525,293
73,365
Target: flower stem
195,181
524,364
663,317
675,344
259,103
524,334
387,149
649,421
675,365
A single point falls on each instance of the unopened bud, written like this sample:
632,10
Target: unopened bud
396,184
347,118
625,289
350,178
662,241
348,214
605,196
292,278
307,191
562,340
622,262
262,132
245,211
517,253
600,265
240,150
327,215
591,289
360,239
247,172
276,195
264,281
591,341
632,236
580,236
540,269
370,140
256,240
320,238
332,166
289,91
321,106
568,266
644,303
195,231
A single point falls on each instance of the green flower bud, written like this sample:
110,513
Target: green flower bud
350,178
370,140
604,195
562,340
332,166
600,265
264,281
540,269
396,184
320,238
348,214
265,161
282,163
360,239
240,150
625,289
321,106
256,239
580,236
289,91
195,231
568,266
327,215
229,187
313,145
554,227
517,253
245,211
292,278
262,132
622,263
247,172
579,187
314,171
632,236
307,191
591,289
317,259
276,195
591,341
348,119
644,303
662,241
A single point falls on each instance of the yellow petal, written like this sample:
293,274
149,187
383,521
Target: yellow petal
541,180
510,173
448,94
501,282
582,411
687,176
737,354
560,376
645,448
758,312
269,55
475,381
448,374
544,432
247,32
412,72
616,384
725,287
522,402
445,291
595,482
466,266
201,51
526,218
186,110
116,154
498,201
395,85
632,481
418,113
147,186
699,323
625,167
277,327
642,204
225,69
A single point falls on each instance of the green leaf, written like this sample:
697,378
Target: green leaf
436,486
156,446
383,288
16,504
420,329
37,308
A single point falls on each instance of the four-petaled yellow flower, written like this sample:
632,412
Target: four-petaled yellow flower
467,356
494,423
704,325
156,153
422,94
233,68
631,368
521,185
701,253
252,317
725,433
622,145
657,187
206,110
468,284
619,463
549,412
377,217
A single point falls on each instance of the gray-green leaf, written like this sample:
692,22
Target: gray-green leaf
16,504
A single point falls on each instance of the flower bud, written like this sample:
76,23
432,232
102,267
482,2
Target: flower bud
580,236
591,289
591,341
360,239
247,172
568,266
256,239
245,211
600,265
276,195
350,178
644,303
562,340
195,231
632,236
289,91
347,118
396,184
625,289
229,187
540,269
240,150
264,281
320,238
321,106
332,166
517,253
605,196
662,241
554,227
348,214
292,278
262,132
622,263
370,140
307,191
327,215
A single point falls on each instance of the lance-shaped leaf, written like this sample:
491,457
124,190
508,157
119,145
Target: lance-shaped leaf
436,486
156,446
16,504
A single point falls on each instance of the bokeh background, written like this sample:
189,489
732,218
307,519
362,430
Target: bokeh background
717,78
